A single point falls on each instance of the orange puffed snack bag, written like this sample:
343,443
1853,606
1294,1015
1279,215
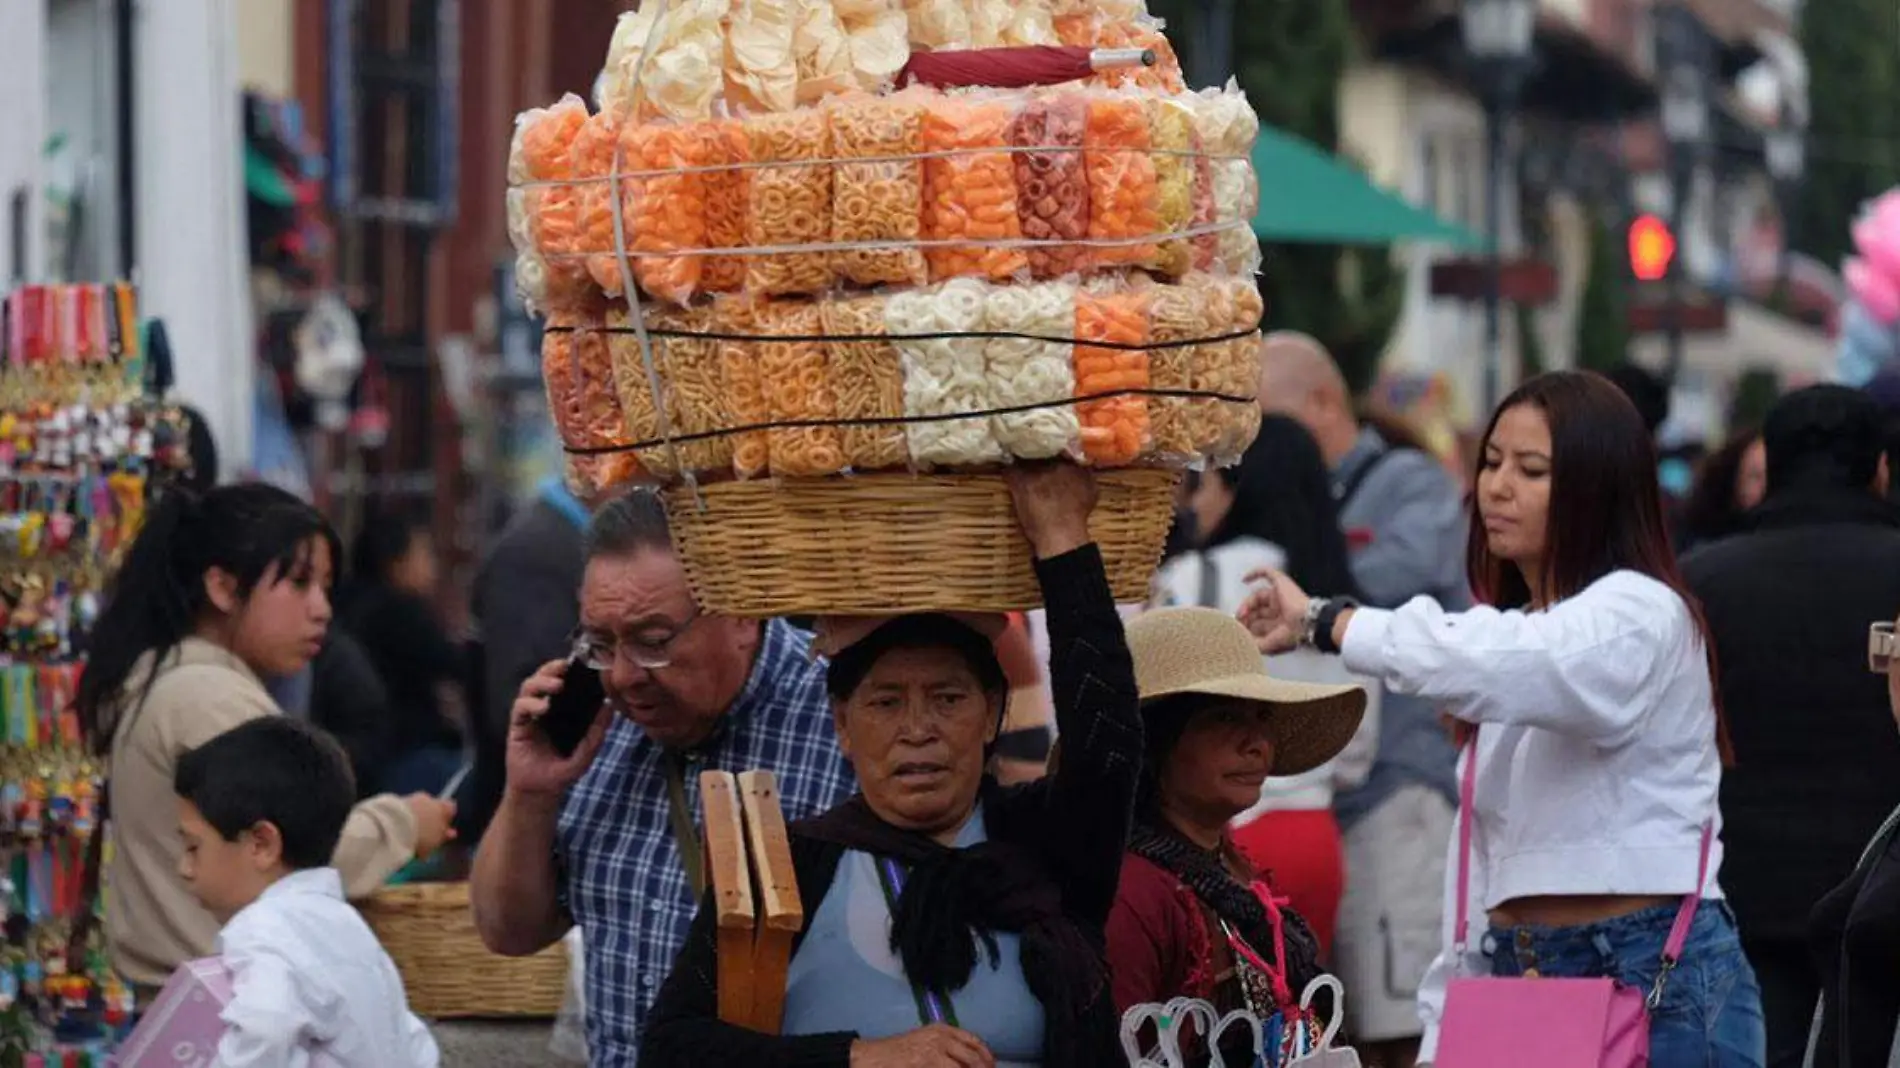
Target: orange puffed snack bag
1114,428
727,190
579,375
593,154
1123,187
970,195
542,172
1052,187
664,209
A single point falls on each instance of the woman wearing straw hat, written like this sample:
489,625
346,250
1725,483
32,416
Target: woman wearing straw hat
1192,918
951,921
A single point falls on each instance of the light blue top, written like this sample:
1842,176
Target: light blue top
845,977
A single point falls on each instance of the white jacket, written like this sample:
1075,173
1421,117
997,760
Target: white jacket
1216,578
1597,761
309,977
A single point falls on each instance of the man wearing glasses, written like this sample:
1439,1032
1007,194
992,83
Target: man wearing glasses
1817,762
607,838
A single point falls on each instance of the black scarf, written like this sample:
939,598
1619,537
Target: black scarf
955,899
1207,875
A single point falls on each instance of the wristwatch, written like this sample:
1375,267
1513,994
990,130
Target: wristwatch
1326,619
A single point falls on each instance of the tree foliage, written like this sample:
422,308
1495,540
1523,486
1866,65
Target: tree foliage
1603,334
1289,56
1854,143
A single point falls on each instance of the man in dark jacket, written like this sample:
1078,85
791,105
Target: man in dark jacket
1817,763
526,603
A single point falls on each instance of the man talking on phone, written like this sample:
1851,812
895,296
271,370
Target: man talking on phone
602,832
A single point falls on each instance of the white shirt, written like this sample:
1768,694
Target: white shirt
308,977
1217,578
1597,760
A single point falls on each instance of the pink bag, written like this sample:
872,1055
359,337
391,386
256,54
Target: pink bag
1549,1023
183,1024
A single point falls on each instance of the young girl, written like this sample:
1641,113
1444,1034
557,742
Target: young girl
1583,691
216,594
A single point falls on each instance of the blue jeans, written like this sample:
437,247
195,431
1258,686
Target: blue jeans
1710,1016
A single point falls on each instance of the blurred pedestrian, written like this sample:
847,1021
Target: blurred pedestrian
1817,761
388,606
1731,482
1403,517
526,602
1593,740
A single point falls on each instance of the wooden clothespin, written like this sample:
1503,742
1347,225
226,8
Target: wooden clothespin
755,892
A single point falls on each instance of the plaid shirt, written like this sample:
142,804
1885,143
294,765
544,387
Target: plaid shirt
621,875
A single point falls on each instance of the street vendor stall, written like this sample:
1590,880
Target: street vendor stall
82,444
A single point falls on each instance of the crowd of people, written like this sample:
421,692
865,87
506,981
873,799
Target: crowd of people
1381,719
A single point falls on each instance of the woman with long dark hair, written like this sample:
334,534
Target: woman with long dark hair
1594,746
216,593
1729,484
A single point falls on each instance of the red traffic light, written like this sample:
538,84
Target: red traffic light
1652,247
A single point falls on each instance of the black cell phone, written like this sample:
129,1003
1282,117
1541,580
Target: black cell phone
572,711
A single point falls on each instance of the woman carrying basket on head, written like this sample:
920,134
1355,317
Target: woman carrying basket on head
1593,745
216,594
952,921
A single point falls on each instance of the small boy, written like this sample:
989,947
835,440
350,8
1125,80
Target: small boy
260,808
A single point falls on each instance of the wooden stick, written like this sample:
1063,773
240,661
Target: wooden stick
731,876
781,914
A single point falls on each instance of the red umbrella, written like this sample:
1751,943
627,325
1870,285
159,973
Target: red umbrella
1016,68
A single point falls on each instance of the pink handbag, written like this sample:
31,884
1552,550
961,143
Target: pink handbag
1549,1023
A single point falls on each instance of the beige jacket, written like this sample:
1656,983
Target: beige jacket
152,921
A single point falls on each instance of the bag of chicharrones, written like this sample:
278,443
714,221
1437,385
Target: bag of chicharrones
867,374
1112,369
584,400
686,356
790,203
1179,316
1227,126
947,393
664,205
1031,366
970,195
1124,192
1228,370
878,202
542,206
804,441
1052,183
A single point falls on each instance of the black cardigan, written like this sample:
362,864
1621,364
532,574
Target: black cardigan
1078,818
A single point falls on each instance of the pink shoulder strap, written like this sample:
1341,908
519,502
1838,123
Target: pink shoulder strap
1467,786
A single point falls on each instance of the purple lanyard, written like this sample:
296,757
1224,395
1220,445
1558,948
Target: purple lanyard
932,1008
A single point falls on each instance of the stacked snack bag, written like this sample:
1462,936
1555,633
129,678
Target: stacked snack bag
760,256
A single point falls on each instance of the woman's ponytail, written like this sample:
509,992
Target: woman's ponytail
150,606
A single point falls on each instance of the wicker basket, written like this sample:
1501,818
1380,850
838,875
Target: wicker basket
429,930
885,543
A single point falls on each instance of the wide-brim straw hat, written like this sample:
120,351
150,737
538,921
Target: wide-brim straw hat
1203,651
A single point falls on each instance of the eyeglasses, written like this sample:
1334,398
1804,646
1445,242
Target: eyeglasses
1880,647
600,651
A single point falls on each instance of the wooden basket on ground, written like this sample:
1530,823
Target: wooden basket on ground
886,543
429,930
